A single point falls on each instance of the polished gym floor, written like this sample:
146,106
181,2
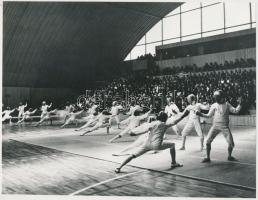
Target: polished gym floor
48,160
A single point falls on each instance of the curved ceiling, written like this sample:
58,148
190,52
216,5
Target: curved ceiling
68,44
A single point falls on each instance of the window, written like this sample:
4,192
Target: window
128,57
171,41
151,47
213,17
238,28
191,37
213,33
171,27
137,51
174,12
190,5
154,34
237,13
253,4
142,41
209,2
191,22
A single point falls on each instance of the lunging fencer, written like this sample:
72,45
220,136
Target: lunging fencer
154,141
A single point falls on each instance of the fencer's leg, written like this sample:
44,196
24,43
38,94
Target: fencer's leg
127,160
228,136
120,135
91,129
66,123
118,122
171,147
10,121
175,129
199,132
211,135
38,123
201,141
186,131
135,144
108,127
85,125
183,143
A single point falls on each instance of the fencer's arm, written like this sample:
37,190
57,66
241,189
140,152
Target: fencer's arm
98,117
89,110
12,110
49,106
208,115
172,122
176,109
234,110
130,111
33,112
145,115
140,129
53,111
79,112
25,105
125,121
204,107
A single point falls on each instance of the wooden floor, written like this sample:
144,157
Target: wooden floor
48,160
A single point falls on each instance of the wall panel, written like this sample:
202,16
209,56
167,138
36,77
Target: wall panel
220,58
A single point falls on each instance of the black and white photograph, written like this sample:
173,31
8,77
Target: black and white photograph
128,99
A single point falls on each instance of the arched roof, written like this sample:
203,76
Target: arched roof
66,44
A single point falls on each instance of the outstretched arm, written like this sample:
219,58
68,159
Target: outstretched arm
141,129
144,116
79,112
12,110
53,111
204,107
210,113
126,121
33,112
175,109
234,110
172,122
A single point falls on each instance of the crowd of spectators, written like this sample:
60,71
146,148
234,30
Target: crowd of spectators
146,56
237,83
212,66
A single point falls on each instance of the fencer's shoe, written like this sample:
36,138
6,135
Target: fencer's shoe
231,158
175,165
206,160
117,170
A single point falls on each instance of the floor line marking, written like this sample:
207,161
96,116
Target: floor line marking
103,182
164,172
235,162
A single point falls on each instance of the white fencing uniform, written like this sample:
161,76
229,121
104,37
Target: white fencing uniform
115,112
172,110
154,140
133,108
7,115
221,121
134,121
102,121
21,110
44,110
194,120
